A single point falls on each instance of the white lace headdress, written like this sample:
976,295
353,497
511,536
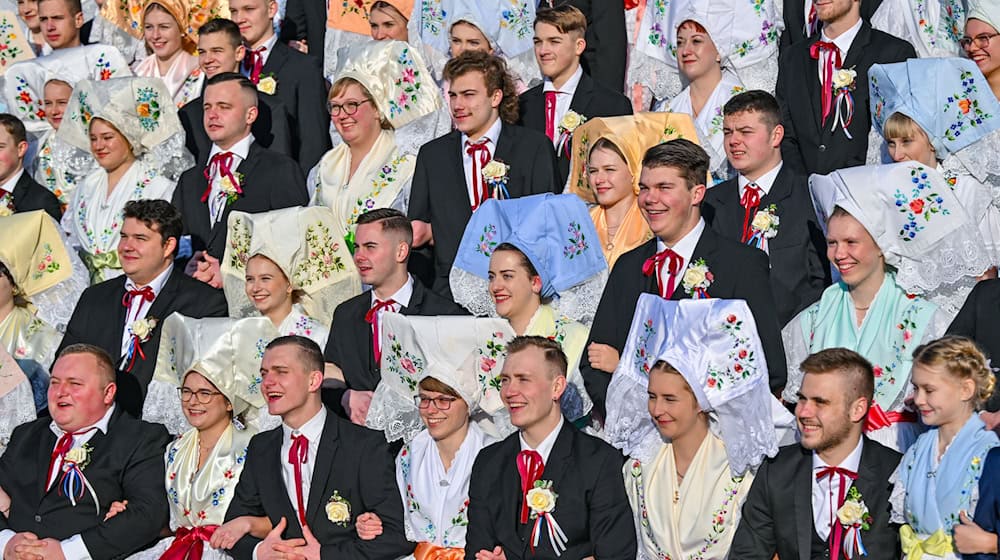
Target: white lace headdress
714,344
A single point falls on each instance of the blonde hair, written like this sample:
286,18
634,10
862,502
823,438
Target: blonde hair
899,125
963,359
663,366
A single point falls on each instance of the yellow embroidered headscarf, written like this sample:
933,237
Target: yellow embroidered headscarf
33,251
190,15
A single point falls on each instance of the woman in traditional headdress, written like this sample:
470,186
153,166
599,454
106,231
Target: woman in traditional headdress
982,22
351,24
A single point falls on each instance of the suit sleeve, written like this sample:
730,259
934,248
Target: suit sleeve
754,538
77,328
756,285
313,120
481,534
214,303
818,265
51,205
147,512
604,331
791,153
987,514
246,501
544,171
281,130
178,201
188,126
292,191
420,188
964,323
612,526
294,26
606,44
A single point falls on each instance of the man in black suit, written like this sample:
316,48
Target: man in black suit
815,140
294,78
339,470
220,49
88,435
305,22
795,14
559,42
791,507
978,320
18,191
383,238
672,264
583,472
110,315
244,175
607,42
484,108
739,208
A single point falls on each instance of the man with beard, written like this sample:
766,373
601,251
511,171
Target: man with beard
834,470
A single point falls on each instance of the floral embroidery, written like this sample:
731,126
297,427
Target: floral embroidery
254,385
744,48
9,52
641,352
359,7
109,235
768,34
432,16
303,326
459,520
967,113
876,94
104,70
918,203
322,261
385,178
517,18
28,107
190,89
953,20
577,241
404,364
46,265
486,243
742,361
148,108
85,113
488,362
885,374
408,84
657,37
758,5
239,242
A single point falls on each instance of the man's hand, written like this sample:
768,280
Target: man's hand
208,270
300,45
24,546
268,548
356,404
496,554
116,508
972,539
308,551
369,526
603,357
423,233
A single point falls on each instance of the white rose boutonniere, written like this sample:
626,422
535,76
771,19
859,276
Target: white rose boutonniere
854,516
267,84
495,175
541,500
844,82
232,186
338,509
697,278
73,483
844,78
764,226
569,123
5,211
143,328
79,456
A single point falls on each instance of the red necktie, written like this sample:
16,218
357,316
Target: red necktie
530,467
750,202
372,318
550,114
837,530
221,164
253,63
147,294
298,454
480,192
830,63
63,446
812,19
655,264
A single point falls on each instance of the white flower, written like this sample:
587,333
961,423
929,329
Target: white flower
694,276
227,186
78,455
5,211
495,171
571,120
697,277
852,513
766,221
541,500
338,509
267,85
844,78
142,328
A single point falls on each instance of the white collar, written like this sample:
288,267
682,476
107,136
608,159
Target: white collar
402,295
268,44
12,182
545,447
569,87
685,247
312,429
240,149
101,424
765,181
492,133
157,283
852,462
845,39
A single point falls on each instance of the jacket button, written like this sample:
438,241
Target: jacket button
38,519
822,147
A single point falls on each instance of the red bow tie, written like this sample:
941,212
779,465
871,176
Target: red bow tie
655,264
147,294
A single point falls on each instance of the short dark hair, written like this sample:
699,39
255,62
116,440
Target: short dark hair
566,18
223,25
683,155
552,350
104,362
392,220
245,84
309,352
755,101
75,6
158,215
14,127
495,74
853,366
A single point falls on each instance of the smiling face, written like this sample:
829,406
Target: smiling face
216,54
286,384
672,405
364,126
832,11
670,208
442,424
557,53
609,177
697,55
852,250
204,416
473,109
143,252
388,24
940,397
79,395
161,32
57,94
514,290
825,416
109,147
268,287
60,28
530,389
254,19
467,37
986,58
751,146
11,153
229,114
27,10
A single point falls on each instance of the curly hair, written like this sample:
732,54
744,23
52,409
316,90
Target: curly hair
495,74
963,359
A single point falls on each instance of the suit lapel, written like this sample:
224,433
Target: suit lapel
858,46
416,300
45,448
328,445
802,497
780,189
505,153
534,110
811,75
119,316
161,305
272,472
704,249
728,210
582,97
461,196
21,188
649,283
276,60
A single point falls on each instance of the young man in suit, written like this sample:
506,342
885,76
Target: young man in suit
559,43
313,475
484,108
241,174
220,49
383,240
591,508
684,259
294,78
18,191
113,315
798,13
791,507
767,192
817,136
606,39
121,459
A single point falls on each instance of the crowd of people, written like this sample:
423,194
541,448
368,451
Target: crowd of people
445,279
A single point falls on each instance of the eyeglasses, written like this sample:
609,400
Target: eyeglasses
203,396
440,403
981,41
349,108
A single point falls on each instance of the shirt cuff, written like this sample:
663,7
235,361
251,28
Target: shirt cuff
5,537
74,548
254,557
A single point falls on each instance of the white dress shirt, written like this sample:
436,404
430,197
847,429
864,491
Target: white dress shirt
826,492
764,182
313,430
545,448
139,307
12,182
269,48
564,98
843,42
216,198
493,135
685,248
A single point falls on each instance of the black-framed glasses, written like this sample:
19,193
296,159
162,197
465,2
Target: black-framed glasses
981,41
440,403
349,108
203,396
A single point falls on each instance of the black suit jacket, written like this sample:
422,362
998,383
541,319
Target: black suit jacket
439,195
741,272
99,319
604,58
592,508
302,88
126,463
353,461
591,99
306,19
771,524
272,129
809,145
795,19
351,349
799,269
270,181
979,319
29,196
